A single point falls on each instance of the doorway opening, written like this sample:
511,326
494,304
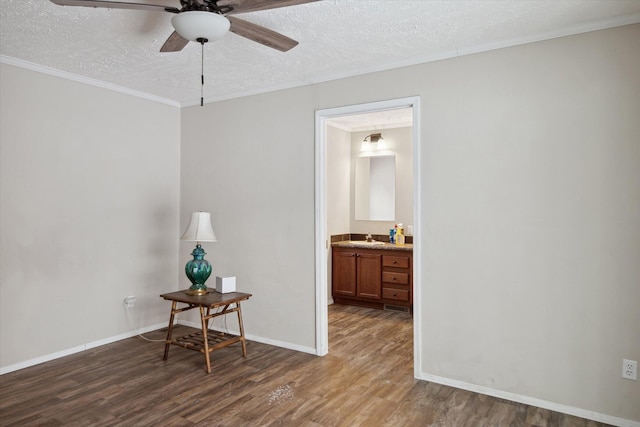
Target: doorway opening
352,119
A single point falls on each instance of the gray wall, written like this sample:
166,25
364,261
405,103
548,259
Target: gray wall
530,169
88,214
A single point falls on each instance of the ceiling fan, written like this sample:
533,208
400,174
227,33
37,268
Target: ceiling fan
207,20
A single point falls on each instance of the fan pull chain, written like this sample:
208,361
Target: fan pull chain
202,74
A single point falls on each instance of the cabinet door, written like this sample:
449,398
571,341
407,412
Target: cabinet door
344,273
369,275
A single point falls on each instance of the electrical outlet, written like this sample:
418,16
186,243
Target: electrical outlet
629,369
130,301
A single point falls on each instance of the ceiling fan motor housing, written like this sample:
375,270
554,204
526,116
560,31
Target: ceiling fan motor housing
195,24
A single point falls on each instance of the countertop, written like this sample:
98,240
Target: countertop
407,247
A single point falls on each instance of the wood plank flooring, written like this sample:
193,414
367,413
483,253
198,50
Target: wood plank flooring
366,380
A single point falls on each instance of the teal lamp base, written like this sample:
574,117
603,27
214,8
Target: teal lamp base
198,271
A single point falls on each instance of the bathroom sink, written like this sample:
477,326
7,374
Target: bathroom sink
364,242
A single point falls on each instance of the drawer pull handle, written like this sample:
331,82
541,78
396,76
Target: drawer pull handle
395,295
395,278
395,262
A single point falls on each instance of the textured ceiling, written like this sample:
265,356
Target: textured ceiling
338,38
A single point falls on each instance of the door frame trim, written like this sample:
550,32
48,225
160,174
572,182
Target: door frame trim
321,238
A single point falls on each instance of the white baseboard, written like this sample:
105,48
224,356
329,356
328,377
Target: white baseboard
98,343
283,344
552,406
263,340
77,349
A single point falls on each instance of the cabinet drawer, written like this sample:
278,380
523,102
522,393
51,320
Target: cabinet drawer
395,261
395,294
391,277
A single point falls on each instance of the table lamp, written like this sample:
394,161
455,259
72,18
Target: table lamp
198,269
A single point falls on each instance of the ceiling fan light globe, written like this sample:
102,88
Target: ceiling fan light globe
196,24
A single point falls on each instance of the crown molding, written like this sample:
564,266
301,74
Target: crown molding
81,79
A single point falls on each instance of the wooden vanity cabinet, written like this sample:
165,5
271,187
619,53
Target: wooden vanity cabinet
371,277
343,275
356,273
396,278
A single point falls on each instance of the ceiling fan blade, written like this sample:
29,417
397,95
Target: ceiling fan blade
243,6
174,43
116,5
261,34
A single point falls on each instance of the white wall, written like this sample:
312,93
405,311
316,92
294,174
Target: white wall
397,141
530,178
338,189
342,149
338,181
88,214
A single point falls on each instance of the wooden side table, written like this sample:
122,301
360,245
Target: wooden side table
206,341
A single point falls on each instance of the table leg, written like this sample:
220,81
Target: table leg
208,318
169,331
244,343
205,339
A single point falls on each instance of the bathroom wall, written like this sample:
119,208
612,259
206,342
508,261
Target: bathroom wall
338,188
339,181
397,141
343,148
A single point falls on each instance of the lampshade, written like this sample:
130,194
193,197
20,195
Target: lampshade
197,24
199,228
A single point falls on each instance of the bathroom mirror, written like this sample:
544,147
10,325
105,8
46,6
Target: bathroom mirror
375,188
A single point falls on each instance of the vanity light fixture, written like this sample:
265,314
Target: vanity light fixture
374,137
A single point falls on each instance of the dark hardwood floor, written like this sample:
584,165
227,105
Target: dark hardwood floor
366,380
